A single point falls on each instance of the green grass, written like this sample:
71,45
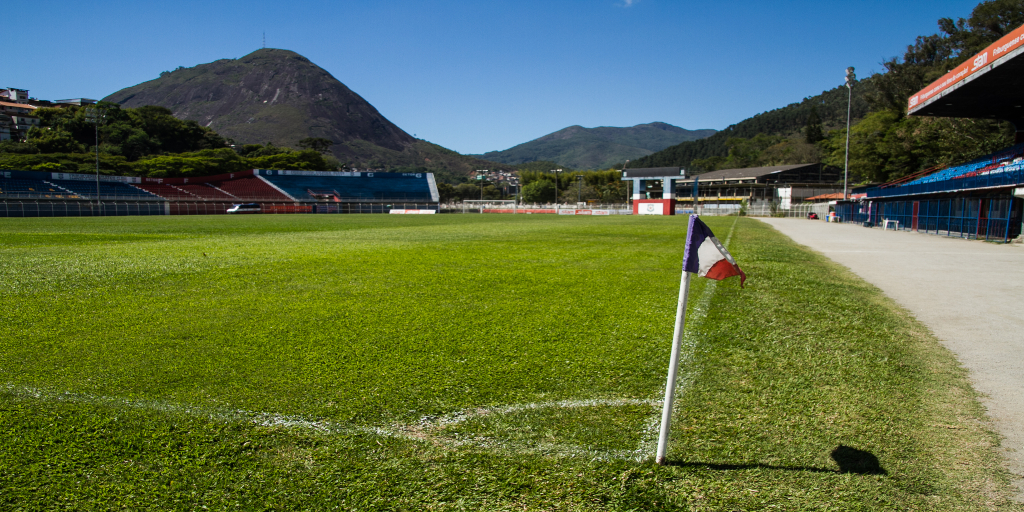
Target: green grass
439,363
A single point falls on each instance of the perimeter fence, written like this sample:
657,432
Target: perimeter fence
107,208
997,218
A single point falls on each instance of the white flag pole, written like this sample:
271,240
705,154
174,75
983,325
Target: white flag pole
673,367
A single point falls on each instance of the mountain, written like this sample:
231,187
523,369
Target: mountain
279,96
597,148
787,121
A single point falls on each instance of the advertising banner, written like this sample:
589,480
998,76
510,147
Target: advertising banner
999,49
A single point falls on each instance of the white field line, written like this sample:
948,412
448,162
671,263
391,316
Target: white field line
430,429
688,372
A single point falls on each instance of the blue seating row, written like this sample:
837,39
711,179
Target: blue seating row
107,188
1008,159
358,188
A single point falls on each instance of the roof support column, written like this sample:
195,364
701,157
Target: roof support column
638,189
668,188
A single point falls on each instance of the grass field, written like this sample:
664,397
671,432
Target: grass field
473,362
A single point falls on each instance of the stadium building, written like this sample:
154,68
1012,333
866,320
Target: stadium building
53,194
979,199
783,184
727,188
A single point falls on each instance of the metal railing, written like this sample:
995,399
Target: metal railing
1009,176
996,218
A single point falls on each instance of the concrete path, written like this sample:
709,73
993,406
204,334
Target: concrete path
969,293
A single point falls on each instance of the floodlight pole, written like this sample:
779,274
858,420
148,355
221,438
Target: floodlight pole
556,171
480,178
94,115
850,77
96,129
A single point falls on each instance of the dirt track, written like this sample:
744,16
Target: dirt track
969,293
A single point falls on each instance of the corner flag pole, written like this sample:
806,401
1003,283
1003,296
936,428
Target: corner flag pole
673,367
706,257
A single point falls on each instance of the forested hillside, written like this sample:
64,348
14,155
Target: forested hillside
885,142
145,141
577,147
785,126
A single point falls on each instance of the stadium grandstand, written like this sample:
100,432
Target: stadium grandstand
47,194
979,199
782,183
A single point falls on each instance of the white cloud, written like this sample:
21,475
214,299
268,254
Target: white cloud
628,3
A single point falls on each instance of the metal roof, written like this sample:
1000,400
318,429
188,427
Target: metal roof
749,173
988,85
16,105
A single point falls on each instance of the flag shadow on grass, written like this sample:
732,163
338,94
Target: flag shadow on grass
849,460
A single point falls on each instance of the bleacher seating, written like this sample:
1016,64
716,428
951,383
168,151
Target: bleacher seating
205,191
167,191
252,189
20,187
1009,159
107,189
363,188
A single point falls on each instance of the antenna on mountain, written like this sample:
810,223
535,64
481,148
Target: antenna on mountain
264,39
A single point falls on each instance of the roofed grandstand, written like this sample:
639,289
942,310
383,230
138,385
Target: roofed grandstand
355,192
976,199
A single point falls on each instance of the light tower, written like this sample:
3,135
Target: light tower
95,116
850,78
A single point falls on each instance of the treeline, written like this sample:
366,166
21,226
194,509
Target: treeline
602,186
146,141
539,187
885,143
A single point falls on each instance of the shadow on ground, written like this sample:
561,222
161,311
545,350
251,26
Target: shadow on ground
849,460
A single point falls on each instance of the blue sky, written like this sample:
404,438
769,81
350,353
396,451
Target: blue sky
487,75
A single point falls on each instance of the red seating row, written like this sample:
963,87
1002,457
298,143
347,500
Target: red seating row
206,191
253,189
165,191
233,190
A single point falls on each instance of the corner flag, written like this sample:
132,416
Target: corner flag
706,257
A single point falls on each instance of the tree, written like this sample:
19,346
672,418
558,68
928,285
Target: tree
539,191
318,144
467,191
54,141
445,192
812,132
306,159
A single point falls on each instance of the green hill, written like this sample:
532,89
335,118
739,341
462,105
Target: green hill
577,147
788,121
279,96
